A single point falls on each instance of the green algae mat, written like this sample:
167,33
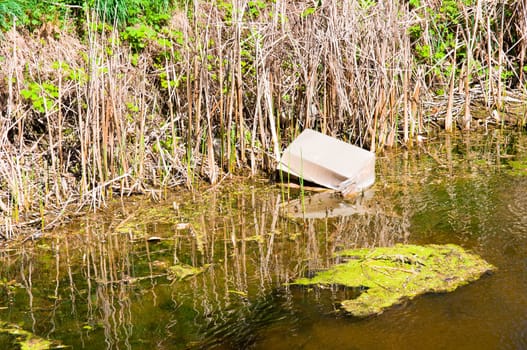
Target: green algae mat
25,340
390,275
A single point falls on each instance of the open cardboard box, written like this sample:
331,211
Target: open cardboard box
329,162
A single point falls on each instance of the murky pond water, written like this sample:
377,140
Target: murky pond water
208,270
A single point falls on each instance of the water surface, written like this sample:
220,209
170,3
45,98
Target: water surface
104,282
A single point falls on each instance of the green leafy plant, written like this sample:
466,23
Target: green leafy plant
9,11
37,13
42,96
138,36
255,8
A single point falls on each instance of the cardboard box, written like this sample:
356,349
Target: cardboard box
329,162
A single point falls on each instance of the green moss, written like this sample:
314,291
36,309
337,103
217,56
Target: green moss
390,275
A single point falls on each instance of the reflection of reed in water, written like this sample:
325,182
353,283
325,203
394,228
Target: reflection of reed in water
108,270
114,287
255,250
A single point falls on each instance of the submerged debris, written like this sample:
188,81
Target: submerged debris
328,205
390,275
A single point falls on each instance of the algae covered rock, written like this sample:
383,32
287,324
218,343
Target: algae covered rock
390,275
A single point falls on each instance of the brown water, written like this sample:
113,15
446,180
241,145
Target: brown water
102,283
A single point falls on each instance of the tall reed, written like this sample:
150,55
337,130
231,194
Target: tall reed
222,87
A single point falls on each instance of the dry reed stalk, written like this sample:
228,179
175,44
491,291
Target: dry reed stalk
220,135
240,6
490,64
499,88
451,85
450,101
521,29
406,116
466,115
470,41
417,111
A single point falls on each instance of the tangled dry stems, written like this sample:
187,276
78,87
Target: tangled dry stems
85,118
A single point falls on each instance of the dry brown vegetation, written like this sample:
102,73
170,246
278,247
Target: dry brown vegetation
225,85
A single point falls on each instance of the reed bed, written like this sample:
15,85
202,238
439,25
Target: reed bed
92,110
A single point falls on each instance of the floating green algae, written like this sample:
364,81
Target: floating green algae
517,167
26,340
139,222
390,275
180,272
